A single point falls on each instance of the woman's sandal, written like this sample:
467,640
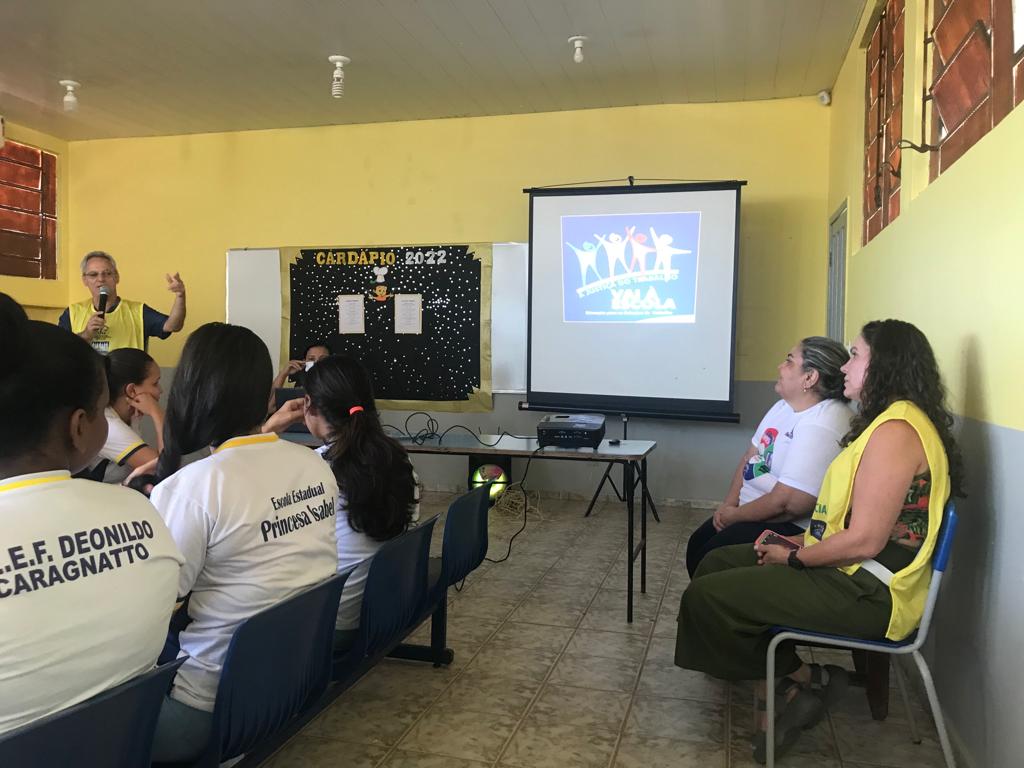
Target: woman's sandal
798,713
828,683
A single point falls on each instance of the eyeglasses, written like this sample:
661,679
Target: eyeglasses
94,275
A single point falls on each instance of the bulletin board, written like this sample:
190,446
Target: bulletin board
418,316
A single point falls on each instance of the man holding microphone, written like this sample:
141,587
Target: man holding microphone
109,322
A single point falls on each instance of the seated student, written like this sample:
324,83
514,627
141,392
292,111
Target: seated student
296,369
255,520
88,572
778,478
378,492
133,379
865,564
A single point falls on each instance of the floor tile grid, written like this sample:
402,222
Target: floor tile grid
538,586
727,725
561,653
395,747
624,557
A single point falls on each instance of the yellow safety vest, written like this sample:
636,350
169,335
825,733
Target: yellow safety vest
909,586
124,325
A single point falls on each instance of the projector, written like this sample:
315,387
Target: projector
581,430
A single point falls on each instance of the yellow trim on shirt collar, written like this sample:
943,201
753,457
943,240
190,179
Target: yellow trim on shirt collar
56,478
236,442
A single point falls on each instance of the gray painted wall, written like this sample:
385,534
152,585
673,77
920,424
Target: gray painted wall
978,637
693,460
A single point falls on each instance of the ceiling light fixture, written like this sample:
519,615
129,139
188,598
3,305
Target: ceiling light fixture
338,80
70,99
577,44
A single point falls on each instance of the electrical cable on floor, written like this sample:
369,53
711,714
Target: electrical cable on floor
526,508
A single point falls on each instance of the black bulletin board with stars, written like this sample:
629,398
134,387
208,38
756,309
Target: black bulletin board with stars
447,365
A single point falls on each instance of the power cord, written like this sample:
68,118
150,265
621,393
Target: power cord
526,508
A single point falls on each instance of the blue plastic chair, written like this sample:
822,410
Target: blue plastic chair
463,549
394,590
113,729
911,645
277,665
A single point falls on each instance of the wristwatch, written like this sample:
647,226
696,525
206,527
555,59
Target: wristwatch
793,561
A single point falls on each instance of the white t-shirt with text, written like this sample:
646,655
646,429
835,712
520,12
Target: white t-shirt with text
794,448
255,522
88,579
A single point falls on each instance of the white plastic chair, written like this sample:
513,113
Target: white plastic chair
911,645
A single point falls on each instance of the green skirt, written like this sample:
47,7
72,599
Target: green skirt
727,611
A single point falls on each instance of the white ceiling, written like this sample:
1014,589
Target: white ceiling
150,67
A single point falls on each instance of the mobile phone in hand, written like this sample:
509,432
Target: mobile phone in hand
771,537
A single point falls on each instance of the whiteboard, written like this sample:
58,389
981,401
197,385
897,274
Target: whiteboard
254,294
508,317
254,300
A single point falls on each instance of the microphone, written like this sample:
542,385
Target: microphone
103,299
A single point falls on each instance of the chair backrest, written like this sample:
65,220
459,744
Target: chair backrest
278,662
395,588
940,559
113,729
465,536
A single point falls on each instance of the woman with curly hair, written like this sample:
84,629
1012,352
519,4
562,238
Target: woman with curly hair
864,565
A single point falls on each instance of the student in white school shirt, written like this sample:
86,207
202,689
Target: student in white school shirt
778,479
379,492
133,381
254,520
88,572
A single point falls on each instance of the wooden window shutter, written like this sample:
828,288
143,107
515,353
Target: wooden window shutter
28,212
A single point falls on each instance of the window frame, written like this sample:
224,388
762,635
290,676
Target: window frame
28,191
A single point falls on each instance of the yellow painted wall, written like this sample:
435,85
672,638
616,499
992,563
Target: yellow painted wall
178,203
952,261
31,291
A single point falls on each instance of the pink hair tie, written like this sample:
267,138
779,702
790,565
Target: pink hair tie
355,409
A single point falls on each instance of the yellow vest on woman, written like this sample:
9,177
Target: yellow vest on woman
124,325
909,586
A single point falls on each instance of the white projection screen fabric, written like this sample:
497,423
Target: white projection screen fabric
632,299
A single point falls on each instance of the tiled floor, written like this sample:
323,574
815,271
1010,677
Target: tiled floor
548,673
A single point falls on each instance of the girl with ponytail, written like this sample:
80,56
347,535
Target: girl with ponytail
378,490
254,519
133,382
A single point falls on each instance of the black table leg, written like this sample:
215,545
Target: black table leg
600,485
643,525
627,469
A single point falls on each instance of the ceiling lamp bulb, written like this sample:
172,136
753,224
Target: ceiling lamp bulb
338,78
577,45
70,99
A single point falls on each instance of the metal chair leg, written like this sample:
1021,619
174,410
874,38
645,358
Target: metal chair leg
901,683
769,698
933,701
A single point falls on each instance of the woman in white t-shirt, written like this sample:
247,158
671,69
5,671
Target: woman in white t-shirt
88,572
133,380
254,520
778,479
378,493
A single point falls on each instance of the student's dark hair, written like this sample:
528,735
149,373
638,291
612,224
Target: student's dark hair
126,366
825,356
373,471
220,391
902,367
47,373
317,344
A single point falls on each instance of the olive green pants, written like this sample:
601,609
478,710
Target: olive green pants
727,611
